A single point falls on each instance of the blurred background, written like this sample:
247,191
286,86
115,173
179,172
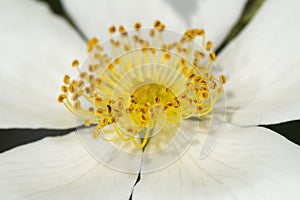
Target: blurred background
10,138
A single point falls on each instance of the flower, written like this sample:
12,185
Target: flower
248,161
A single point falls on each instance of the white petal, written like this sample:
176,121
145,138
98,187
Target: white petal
217,17
247,163
94,17
263,67
59,168
36,50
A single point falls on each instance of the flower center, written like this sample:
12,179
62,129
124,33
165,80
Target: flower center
149,101
140,84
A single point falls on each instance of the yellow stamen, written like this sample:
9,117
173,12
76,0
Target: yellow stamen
208,46
75,63
212,56
92,43
188,90
222,79
66,79
112,29
61,98
137,26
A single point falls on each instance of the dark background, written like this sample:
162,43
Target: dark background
10,138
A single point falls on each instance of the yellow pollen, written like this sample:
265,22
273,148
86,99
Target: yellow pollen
64,89
131,109
66,79
137,26
92,43
200,32
212,56
75,63
152,33
98,101
61,98
100,111
122,30
208,46
222,79
167,56
112,29
157,23
87,122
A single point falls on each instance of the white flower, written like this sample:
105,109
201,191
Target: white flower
249,162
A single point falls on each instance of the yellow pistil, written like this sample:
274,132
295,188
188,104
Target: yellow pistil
139,106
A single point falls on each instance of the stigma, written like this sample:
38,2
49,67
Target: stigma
144,81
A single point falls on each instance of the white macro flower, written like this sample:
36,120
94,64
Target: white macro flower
249,162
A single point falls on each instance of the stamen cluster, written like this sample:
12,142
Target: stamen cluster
130,113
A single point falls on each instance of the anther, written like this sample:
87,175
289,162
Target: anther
126,47
161,27
87,122
117,61
92,43
77,105
64,89
185,70
137,26
147,104
204,95
105,121
108,109
96,133
98,101
143,110
197,78
91,78
169,104
208,46
61,98
182,61
222,79
99,111
200,108
75,63
157,99
191,75
112,29
213,56
66,79
132,130
200,32
122,30
83,75
81,83
98,82
199,54
167,56
72,88
152,33
74,97
110,66
166,107
156,23
143,117
168,90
